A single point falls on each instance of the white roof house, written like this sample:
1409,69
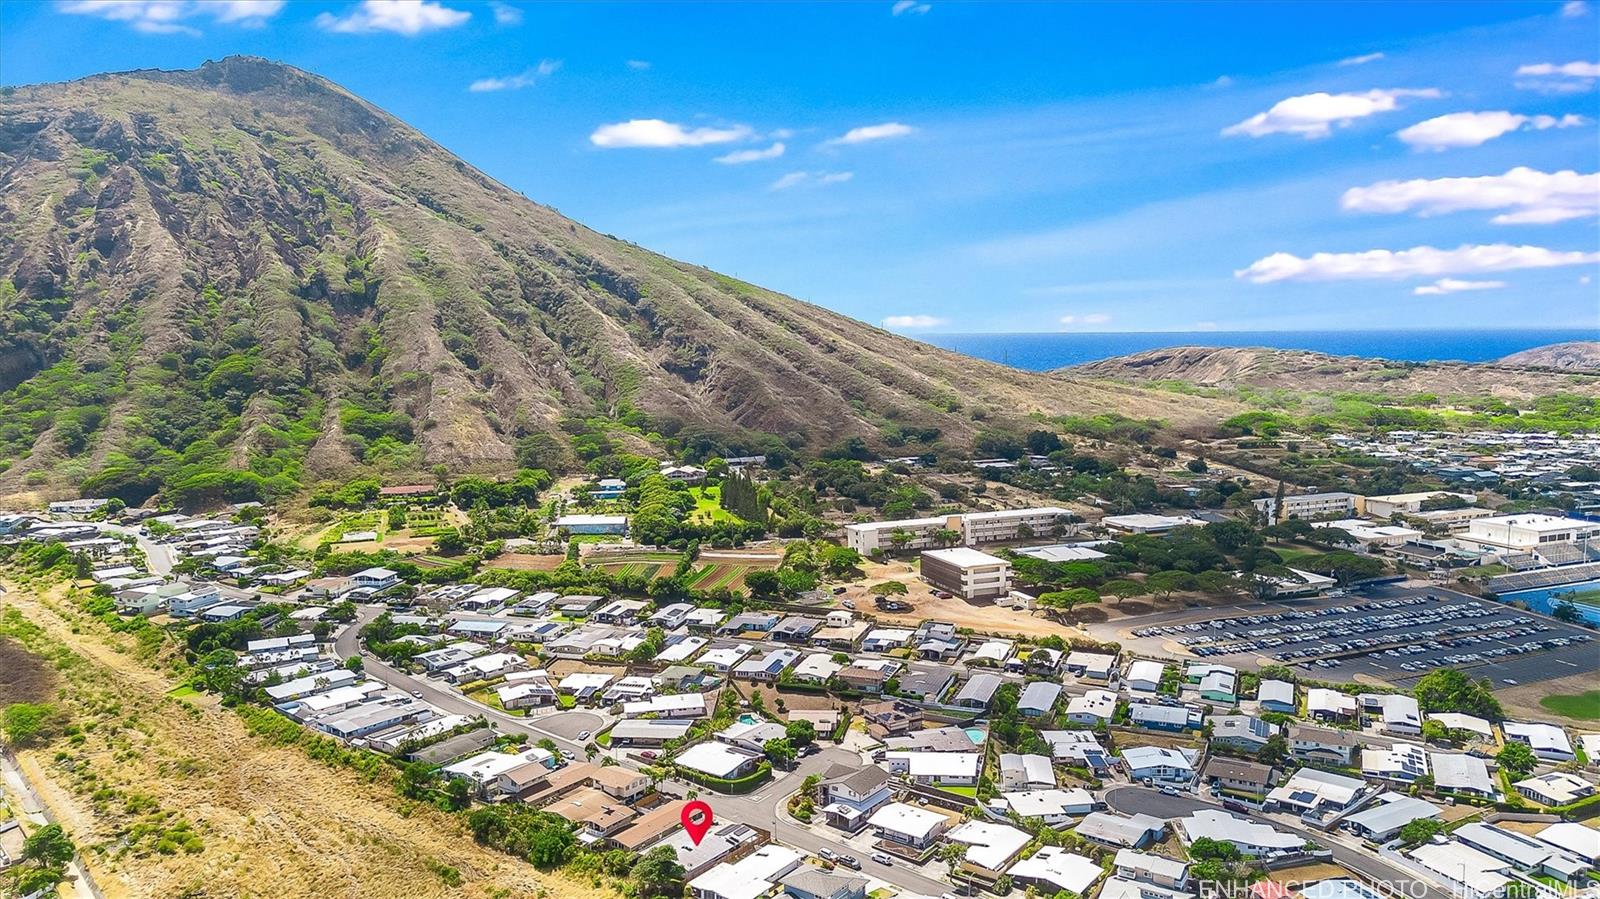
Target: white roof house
1462,772
1470,723
1547,741
1322,702
990,846
930,766
1454,862
1092,707
748,878
917,825
1309,790
716,758
1059,870
1053,805
1253,839
1144,676
1570,836
1403,762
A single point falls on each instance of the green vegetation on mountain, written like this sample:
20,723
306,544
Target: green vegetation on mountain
231,282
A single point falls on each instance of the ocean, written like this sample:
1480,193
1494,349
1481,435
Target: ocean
1039,352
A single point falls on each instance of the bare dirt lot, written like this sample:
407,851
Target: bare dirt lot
982,617
265,820
525,562
28,678
1522,702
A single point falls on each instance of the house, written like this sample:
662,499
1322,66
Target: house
622,783
1472,725
978,692
746,622
608,488
681,648
1323,746
1215,683
583,686
1038,699
1077,747
1245,733
687,474
1165,717
616,525
484,769
1025,772
1053,870
891,718
703,618
1144,676
719,760
908,825
1121,831
751,735
768,666
1147,868
848,795
810,882
485,667
1093,708
928,682
1231,774
723,657
1468,871
1461,773
1042,660
477,629
815,668
1249,837
1399,713
1574,839
1548,742
1381,821
595,815
991,653
750,877
648,732
884,639
1399,762
1053,806
1323,704
620,611
868,676
1277,696
1522,852
991,848
724,841
951,769
1555,788
578,605
649,828
1096,666
1316,793
375,579
671,616
525,694
937,739
796,629
1153,764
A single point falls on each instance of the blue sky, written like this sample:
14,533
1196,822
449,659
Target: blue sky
962,167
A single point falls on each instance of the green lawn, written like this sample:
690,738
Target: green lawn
708,506
1584,706
971,792
183,692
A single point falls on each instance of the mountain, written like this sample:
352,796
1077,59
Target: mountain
1301,370
1577,355
234,277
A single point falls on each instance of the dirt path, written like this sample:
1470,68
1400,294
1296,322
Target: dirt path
272,821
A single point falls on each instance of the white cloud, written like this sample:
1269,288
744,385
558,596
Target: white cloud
1416,262
1470,129
1528,196
867,133
505,13
1559,78
638,65
901,7
816,179
739,157
1092,318
1316,115
407,17
1223,81
526,78
169,16
1454,285
1574,9
914,321
657,133
1360,60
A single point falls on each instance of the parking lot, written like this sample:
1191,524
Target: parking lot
1394,634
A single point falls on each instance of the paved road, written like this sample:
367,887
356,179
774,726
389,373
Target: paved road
347,644
765,809
1137,800
159,558
12,779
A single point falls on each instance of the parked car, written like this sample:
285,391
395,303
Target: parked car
882,858
851,862
583,735
827,855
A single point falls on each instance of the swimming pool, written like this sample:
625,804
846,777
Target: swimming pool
748,718
976,734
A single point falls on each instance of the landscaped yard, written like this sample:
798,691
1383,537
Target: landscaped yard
1584,706
708,506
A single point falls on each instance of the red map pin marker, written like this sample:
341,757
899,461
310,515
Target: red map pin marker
697,820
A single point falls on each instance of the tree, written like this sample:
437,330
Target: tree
1517,759
1564,611
458,794
549,847
780,751
219,673
840,561
658,874
1274,751
1206,848
800,732
416,779
49,847
887,588
1420,831
1344,567
1449,690
1166,583
1065,601
1121,589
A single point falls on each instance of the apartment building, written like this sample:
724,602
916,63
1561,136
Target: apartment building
967,573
